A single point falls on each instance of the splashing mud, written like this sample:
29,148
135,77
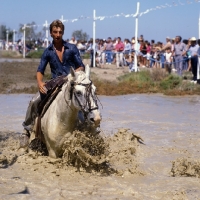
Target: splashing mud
82,150
186,167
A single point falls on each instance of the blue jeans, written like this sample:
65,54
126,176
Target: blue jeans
179,64
194,65
185,63
109,57
162,60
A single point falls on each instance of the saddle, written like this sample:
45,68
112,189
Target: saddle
53,88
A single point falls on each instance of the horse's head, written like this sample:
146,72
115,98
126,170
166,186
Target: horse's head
83,95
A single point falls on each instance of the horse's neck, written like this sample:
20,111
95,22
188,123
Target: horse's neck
61,112
64,108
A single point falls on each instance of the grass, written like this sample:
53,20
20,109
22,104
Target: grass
10,54
35,54
154,81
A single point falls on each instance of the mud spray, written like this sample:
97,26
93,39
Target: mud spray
82,150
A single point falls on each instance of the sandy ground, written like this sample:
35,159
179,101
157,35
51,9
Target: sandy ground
19,75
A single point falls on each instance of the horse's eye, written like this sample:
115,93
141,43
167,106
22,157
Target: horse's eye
79,93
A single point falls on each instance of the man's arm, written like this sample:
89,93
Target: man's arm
41,84
80,69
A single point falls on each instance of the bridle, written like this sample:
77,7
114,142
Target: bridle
87,106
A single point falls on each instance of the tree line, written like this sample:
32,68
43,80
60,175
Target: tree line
33,34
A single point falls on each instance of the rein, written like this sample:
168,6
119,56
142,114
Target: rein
87,107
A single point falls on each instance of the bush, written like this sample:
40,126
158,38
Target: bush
35,54
170,82
139,77
85,56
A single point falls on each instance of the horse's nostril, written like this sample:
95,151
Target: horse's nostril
92,120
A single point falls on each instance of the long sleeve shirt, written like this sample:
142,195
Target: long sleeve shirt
71,58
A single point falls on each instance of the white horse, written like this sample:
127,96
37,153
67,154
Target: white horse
59,121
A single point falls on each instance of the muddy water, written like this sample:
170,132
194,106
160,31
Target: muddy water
170,129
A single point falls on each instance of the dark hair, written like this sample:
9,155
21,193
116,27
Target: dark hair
180,38
57,23
198,41
119,38
185,41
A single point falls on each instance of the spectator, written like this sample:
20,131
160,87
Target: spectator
127,46
19,43
143,50
156,56
101,54
186,57
81,47
73,40
119,53
194,58
168,60
167,45
129,59
179,52
108,50
148,46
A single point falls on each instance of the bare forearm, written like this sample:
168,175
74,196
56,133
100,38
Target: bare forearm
80,69
39,77
41,84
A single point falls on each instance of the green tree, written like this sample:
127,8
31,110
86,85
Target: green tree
3,33
31,31
80,35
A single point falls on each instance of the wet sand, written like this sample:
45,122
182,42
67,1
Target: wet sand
170,129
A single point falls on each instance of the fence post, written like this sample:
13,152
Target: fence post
136,36
94,27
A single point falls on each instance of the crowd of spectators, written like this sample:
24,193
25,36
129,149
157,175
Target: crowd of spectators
18,45
174,55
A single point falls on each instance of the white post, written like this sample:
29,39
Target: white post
24,41
94,27
198,68
14,40
199,25
7,39
62,19
136,37
46,39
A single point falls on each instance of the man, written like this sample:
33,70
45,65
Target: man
109,48
91,50
119,48
167,45
179,52
61,56
194,58
73,41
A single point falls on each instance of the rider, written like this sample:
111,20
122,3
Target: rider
61,56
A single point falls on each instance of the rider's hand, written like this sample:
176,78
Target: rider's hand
42,88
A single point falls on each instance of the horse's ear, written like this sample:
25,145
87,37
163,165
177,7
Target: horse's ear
72,72
87,71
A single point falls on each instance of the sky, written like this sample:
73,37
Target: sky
159,19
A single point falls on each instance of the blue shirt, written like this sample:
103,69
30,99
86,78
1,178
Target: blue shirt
194,49
71,58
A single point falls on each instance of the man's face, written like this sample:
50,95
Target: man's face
57,34
177,39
